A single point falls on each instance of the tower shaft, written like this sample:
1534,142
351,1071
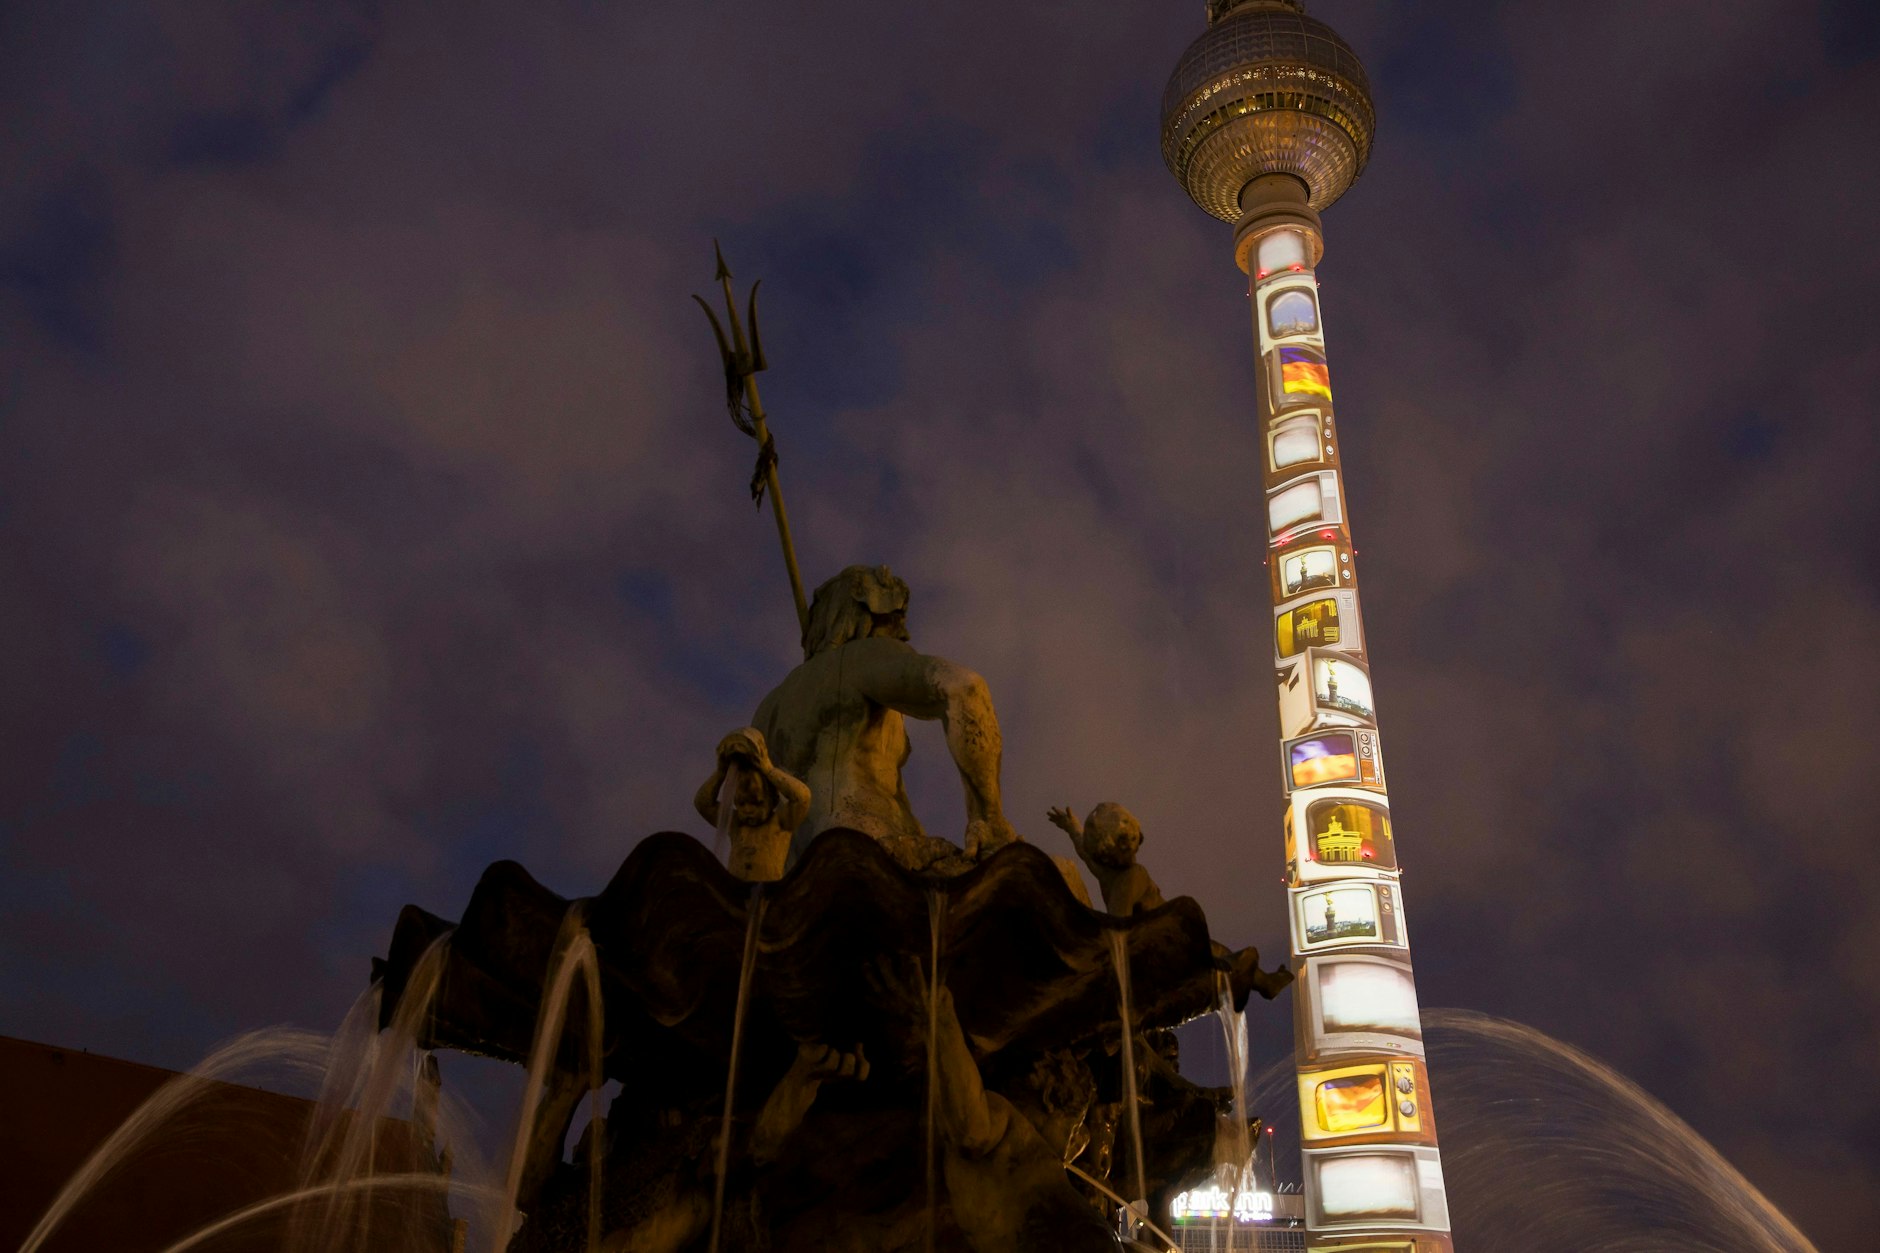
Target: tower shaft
1370,1161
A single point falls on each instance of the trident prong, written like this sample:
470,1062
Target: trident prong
742,362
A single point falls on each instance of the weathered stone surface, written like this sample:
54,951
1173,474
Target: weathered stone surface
1027,976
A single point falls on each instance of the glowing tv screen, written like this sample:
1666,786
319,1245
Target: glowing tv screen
1368,1185
1310,500
1377,997
1281,250
1388,1187
1299,376
1322,690
1347,913
1340,684
1333,757
1299,440
1292,311
1348,832
1338,833
1317,622
1311,562
1366,1103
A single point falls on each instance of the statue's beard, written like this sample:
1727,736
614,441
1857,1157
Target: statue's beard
892,625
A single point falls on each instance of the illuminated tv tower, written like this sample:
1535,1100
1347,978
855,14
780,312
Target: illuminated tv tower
1266,121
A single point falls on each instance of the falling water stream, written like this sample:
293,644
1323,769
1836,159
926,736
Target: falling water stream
574,955
300,1050
936,923
753,924
1546,1150
1119,959
1549,1150
416,1182
345,1146
1234,1039
727,812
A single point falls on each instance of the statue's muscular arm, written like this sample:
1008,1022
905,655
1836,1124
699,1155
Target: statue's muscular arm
891,673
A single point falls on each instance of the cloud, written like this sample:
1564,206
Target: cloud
370,513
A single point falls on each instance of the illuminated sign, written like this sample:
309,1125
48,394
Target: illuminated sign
1347,913
1212,1202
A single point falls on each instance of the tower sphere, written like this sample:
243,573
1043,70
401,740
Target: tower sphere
1266,90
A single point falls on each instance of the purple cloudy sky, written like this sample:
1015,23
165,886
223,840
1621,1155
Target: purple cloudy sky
368,509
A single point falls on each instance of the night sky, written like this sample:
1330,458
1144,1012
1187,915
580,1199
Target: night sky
369,510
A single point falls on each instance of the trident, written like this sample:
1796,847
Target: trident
747,411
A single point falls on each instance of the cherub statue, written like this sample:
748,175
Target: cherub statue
1002,1153
1107,842
767,804
837,721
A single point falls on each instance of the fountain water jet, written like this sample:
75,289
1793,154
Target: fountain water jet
389,1062
1234,1039
936,922
300,1050
1119,959
574,954
1549,1150
753,924
415,1181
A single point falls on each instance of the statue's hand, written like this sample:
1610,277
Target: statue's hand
747,744
817,1062
1065,820
986,836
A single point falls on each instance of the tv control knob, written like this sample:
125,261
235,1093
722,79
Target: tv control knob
1405,1084
1407,1108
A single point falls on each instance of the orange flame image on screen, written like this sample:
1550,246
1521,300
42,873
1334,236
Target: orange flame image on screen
1351,1104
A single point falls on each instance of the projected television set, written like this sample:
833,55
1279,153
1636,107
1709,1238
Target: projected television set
1356,1005
1311,500
1332,757
1347,914
1291,313
1326,621
1366,1103
1311,562
1358,1189
1298,375
1298,441
1280,250
1338,833
1325,689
